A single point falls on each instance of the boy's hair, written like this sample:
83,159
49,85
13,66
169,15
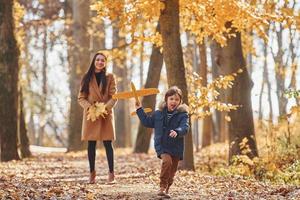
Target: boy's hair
173,90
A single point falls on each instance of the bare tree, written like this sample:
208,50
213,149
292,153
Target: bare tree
221,127
24,141
280,74
241,127
9,69
156,61
80,59
122,121
173,57
207,121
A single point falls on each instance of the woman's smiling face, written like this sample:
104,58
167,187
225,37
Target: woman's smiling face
173,102
100,63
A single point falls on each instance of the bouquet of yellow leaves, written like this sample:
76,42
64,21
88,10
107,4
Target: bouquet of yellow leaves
96,110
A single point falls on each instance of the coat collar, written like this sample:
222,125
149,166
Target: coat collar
181,108
96,87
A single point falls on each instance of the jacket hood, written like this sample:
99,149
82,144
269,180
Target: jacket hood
181,108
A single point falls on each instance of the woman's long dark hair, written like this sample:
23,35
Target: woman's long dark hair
89,74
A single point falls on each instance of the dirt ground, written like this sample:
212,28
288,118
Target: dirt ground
65,176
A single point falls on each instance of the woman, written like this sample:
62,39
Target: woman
97,86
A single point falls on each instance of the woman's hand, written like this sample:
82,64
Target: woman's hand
173,134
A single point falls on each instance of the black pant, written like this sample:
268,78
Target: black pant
109,154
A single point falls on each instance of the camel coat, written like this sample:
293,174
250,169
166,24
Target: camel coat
102,128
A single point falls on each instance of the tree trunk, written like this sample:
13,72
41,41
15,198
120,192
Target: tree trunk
172,54
142,62
267,82
191,57
195,122
78,66
122,118
250,59
241,126
294,66
24,141
156,62
260,109
9,69
207,121
42,114
98,35
216,115
221,126
31,129
269,95
280,73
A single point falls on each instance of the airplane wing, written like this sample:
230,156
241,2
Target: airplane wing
143,92
123,95
147,91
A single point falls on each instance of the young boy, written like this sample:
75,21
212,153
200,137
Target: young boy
170,124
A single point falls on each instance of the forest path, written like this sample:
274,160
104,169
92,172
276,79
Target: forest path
65,176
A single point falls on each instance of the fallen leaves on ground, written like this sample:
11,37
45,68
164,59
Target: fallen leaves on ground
65,176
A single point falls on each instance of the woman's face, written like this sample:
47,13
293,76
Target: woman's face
173,102
100,63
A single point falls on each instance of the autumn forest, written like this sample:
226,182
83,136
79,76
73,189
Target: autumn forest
235,62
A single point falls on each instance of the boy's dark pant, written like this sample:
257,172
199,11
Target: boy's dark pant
168,170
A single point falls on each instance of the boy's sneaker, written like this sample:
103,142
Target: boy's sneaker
167,192
162,193
167,189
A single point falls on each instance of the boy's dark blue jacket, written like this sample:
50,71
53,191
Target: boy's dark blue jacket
178,122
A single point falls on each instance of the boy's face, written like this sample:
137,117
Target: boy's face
173,102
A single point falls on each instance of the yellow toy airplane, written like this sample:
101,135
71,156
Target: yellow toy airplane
135,94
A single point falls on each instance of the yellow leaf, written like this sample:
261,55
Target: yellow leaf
95,111
295,109
227,118
90,196
240,71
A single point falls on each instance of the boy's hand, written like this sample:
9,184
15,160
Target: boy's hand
173,134
137,105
